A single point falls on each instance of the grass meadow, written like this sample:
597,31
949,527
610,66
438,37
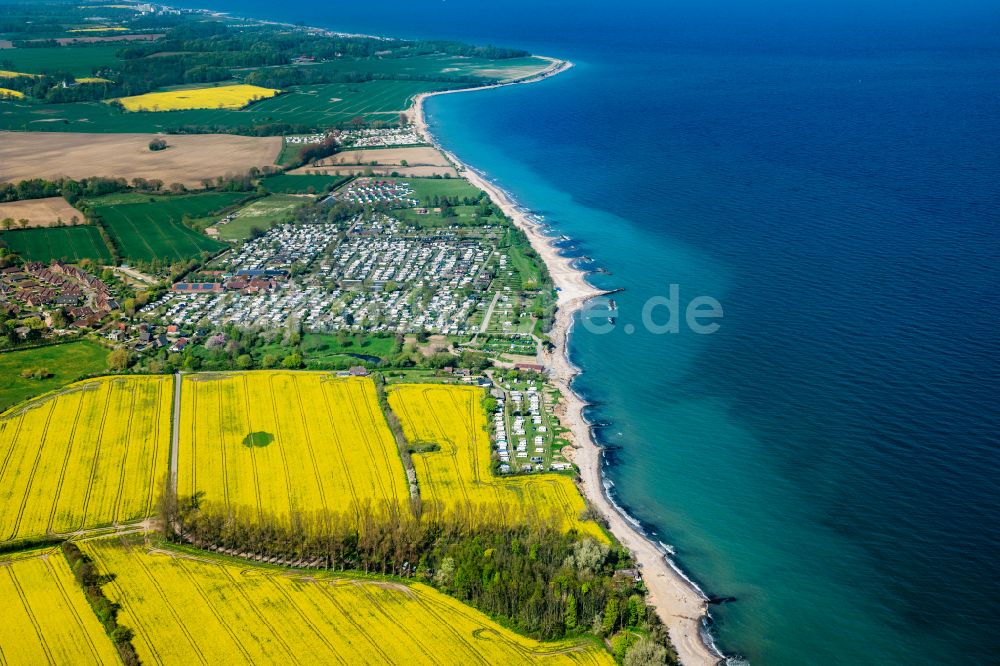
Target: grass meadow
424,188
261,214
320,347
67,362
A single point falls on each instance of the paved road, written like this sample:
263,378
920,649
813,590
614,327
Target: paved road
489,313
175,432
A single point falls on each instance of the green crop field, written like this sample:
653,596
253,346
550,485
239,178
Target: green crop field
154,229
77,60
63,243
261,214
320,106
439,65
289,184
67,363
337,102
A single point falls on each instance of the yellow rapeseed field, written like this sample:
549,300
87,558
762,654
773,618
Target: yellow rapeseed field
90,455
190,610
284,442
458,476
7,74
221,97
93,79
7,92
46,618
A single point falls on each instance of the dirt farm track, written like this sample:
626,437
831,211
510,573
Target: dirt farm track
188,159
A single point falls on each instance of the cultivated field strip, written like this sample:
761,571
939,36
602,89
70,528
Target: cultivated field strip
458,477
155,230
374,97
46,619
88,456
323,443
180,605
220,97
58,243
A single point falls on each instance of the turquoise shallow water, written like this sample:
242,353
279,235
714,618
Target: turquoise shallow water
829,456
829,172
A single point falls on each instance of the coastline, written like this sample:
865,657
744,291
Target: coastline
681,606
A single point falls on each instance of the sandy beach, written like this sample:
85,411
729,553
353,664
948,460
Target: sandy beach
680,605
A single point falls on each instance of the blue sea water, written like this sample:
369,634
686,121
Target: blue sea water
830,173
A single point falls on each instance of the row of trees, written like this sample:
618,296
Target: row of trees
88,188
91,581
317,151
72,190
